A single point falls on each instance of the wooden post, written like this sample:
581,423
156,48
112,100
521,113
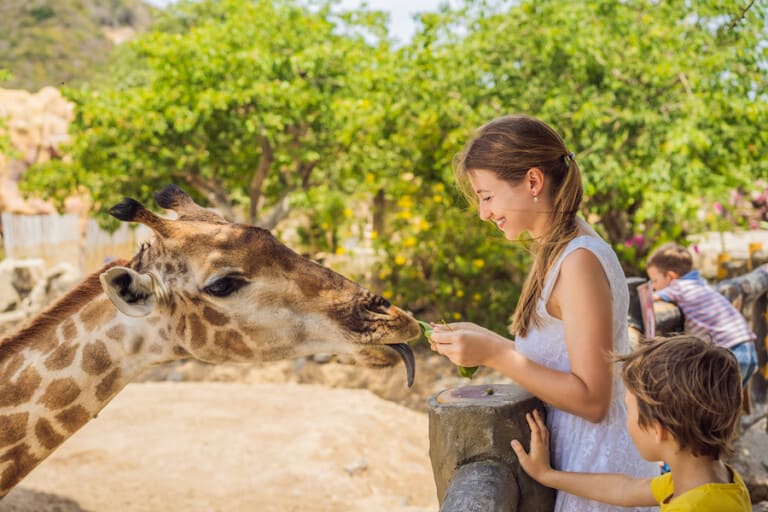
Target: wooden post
470,429
754,247
722,271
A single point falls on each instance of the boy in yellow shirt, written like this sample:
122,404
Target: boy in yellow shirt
683,398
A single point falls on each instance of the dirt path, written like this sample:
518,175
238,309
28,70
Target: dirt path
235,447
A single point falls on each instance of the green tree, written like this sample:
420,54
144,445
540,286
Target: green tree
238,101
663,106
663,102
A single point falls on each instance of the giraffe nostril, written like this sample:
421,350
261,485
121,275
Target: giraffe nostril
378,304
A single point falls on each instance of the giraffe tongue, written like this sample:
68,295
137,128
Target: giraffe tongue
410,364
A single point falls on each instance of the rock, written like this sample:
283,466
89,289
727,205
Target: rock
37,124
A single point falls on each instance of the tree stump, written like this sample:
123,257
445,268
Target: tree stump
470,430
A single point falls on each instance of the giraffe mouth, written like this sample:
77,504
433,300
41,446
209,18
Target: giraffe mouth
405,352
380,356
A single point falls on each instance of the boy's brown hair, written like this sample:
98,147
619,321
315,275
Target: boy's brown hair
691,387
671,257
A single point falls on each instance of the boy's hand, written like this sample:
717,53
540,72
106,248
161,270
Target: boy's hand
535,463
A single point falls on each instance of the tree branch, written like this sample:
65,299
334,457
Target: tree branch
214,192
735,21
260,176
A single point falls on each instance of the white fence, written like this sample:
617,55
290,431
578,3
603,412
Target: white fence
67,238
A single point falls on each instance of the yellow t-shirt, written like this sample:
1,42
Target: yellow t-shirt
732,497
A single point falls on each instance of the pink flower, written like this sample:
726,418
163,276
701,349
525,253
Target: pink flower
696,248
717,207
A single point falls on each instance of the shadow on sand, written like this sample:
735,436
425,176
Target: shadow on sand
29,500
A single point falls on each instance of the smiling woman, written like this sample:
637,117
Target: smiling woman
571,316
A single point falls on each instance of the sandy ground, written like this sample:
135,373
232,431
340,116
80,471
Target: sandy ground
235,447
278,437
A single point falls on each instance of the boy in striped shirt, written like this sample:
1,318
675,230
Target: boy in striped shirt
708,314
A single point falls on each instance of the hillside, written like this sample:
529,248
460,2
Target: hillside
63,42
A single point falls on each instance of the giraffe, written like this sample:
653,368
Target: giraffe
203,288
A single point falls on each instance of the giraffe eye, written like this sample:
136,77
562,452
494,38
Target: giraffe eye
225,286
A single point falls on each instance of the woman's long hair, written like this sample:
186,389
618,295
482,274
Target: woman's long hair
510,146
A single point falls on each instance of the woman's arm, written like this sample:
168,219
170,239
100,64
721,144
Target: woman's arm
582,300
612,488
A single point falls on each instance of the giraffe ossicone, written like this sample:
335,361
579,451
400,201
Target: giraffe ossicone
203,288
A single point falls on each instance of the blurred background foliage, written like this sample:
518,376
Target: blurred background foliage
309,120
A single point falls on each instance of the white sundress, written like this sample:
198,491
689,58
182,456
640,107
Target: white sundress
577,444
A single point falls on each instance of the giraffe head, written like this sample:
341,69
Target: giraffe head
233,292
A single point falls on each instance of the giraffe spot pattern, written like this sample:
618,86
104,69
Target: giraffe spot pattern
96,358
47,435
73,418
181,327
9,368
116,333
61,358
109,385
198,332
60,393
44,344
13,427
231,342
214,316
136,344
69,329
22,462
96,313
12,394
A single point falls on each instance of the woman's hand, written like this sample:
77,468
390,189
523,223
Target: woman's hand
536,463
467,344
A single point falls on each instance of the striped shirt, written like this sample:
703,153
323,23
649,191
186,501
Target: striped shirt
707,312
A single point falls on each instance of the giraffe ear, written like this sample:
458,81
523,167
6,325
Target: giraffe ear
132,293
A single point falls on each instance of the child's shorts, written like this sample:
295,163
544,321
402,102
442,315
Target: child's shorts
746,355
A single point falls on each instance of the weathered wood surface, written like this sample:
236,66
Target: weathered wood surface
470,429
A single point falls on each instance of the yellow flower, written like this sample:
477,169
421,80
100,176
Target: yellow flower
456,315
339,250
324,225
387,294
409,242
476,297
399,260
383,274
437,199
479,263
374,234
348,212
405,202
459,293
439,187
405,215
424,225
369,178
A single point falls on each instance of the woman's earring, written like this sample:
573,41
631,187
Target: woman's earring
535,199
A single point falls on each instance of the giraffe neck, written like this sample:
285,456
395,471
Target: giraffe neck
62,368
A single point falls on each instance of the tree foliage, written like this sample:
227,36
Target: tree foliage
261,106
223,98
